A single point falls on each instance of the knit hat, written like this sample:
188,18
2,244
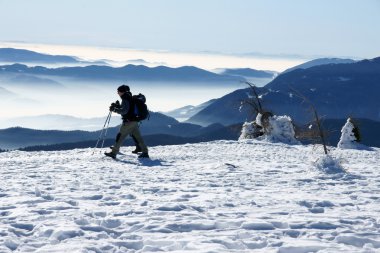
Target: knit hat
123,88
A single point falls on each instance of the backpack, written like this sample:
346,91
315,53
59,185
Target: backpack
140,109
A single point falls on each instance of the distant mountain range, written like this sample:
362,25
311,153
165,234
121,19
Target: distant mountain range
188,111
248,72
336,90
50,122
320,61
258,77
21,55
128,72
213,132
13,55
137,71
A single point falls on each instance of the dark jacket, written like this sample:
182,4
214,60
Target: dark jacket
126,107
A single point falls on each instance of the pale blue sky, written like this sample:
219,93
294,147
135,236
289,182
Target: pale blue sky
270,27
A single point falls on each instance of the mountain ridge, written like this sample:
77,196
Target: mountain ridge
14,55
318,62
336,90
23,55
18,137
127,72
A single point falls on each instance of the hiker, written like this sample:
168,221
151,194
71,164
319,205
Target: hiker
130,125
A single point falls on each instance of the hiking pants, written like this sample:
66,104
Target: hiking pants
129,128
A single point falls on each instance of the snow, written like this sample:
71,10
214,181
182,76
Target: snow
250,130
348,139
221,196
280,129
258,119
329,165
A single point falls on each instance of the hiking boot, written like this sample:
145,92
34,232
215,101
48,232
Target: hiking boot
137,150
144,155
110,154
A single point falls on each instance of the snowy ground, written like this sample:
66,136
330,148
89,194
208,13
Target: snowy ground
222,196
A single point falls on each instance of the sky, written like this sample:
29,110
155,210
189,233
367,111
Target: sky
210,34
246,29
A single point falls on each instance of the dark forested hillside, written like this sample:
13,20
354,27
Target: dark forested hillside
336,90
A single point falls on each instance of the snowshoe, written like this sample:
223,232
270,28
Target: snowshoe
137,150
110,154
143,155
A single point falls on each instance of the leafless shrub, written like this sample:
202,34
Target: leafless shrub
315,131
254,102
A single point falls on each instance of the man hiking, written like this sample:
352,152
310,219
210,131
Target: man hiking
130,125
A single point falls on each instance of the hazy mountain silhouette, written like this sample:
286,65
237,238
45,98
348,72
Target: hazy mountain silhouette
21,55
128,72
58,122
188,111
225,110
6,94
158,123
32,80
16,137
13,55
248,72
150,140
320,61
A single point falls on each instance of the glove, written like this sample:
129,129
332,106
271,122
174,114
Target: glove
114,106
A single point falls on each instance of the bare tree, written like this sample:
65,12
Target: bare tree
256,106
319,131
255,101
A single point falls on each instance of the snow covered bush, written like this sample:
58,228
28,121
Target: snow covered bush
280,129
270,128
350,136
250,130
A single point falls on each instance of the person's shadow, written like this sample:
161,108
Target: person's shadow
146,162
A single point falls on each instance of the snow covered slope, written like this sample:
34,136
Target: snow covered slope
223,196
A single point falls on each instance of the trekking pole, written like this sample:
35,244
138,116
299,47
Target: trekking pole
105,134
101,133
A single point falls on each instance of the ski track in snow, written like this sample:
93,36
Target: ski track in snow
222,196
